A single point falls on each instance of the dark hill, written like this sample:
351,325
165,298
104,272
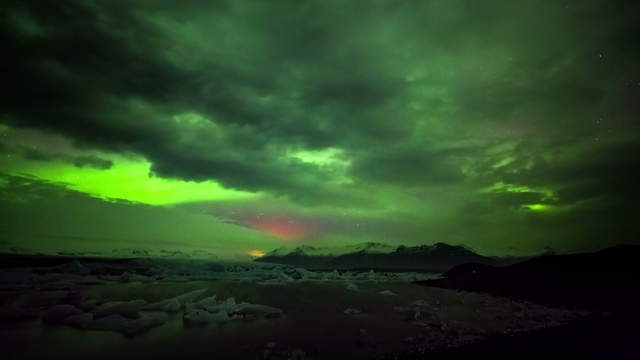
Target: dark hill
607,279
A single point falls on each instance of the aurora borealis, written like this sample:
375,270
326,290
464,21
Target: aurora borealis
235,127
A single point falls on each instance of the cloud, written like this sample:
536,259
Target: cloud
47,216
78,161
423,100
406,166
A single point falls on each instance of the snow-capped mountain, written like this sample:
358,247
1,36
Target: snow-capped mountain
437,257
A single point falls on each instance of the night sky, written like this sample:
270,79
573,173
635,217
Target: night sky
235,127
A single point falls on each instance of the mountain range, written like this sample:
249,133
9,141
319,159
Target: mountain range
438,257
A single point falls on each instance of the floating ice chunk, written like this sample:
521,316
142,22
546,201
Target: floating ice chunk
203,304
227,305
352,286
273,282
128,327
387,293
167,305
190,296
141,278
306,274
174,304
257,310
128,309
202,317
420,303
230,301
352,311
286,277
371,275
208,301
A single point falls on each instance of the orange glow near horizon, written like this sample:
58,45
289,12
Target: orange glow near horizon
256,253
282,227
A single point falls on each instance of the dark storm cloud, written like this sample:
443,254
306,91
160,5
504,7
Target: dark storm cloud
600,172
92,161
38,155
81,64
20,189
590,192
85,67
408,166
537,94
514,200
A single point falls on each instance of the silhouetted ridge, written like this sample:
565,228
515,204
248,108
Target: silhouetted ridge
606,279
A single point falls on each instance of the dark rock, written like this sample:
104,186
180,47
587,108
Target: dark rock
57,313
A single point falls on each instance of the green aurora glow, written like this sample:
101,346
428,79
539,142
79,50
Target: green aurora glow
239,126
